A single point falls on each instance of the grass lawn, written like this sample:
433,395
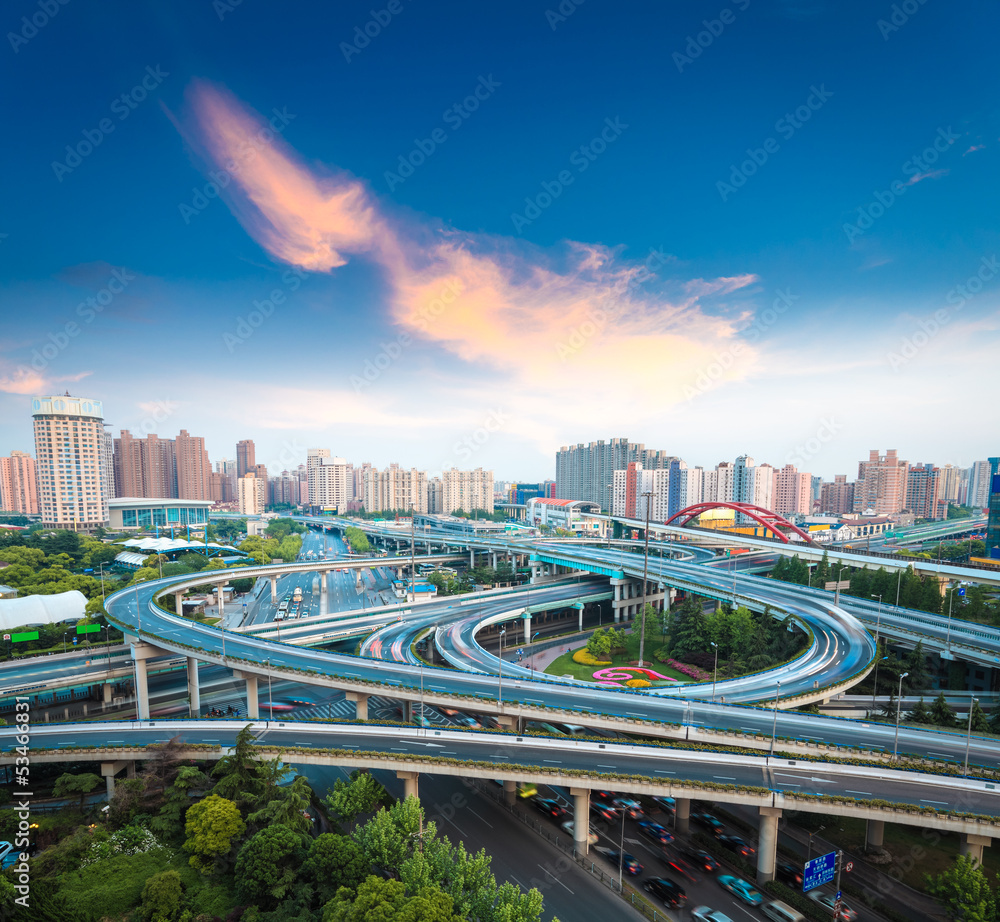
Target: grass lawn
564,664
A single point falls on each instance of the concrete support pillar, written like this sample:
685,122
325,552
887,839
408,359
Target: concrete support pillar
581,819
360,700
274,590
110,769
510,792
253,706
579,610
493,558
194,692
130,769
179,603
219,600
973,845
472,557
323,578
767,844
107,693
409,780
408,712
682,815
507,722
527,627
141,689
875,831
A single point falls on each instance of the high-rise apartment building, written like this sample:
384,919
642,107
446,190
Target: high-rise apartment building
107,468
19,484
837,498
330,480
881,484
252,494
993,505
245,457
636,489
435,496
978,495
952,484
686,484
792,492
586,472
193,467
69,444
922,481
396,489
466,490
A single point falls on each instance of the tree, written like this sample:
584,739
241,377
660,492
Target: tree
690,634
287,808
916,666
965,890
599,644
389,836
162,896
941,714
68,785
267,865
211,826
243,778
980,723
349,799
334,862
177,799
921,714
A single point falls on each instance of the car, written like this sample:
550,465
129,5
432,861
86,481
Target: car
568,828
9,855
826,901
604,811
790,875
632,808
603,796
709,822
550,808
741,889
739,845
707,914
627,862
700,858
672,894
655,832
666,803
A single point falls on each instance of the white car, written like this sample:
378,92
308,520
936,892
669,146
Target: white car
567,827
707,914
826,900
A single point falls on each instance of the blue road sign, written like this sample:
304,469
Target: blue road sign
961,591
819,871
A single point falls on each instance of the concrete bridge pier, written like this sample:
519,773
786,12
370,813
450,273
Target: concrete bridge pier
408,712
360,700
220,600
767,843
527,627
409,780
579,606
179,603
194,692
682,814
493,560
510,792
253,704
973,845
274,590
110,769
581,819
874,833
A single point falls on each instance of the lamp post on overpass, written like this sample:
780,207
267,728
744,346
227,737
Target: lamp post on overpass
899,703
774,724
968,735
645,569
715,669
503,631
836,594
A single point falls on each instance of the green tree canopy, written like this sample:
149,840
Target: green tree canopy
334,861
267,865
211,825
162,897
965,890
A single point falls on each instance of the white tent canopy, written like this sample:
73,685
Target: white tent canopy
166,545
42,609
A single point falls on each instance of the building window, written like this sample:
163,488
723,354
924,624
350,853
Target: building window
159,517
128,518
143,518
172,514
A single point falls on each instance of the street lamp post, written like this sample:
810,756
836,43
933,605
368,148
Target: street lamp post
774,723
878,628
836,594
715,669
421,692
100,568
899,695
645,570
270,699
503,631
951,598
968,735
621,853
899,584
809,847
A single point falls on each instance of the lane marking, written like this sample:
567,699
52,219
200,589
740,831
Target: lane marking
605,766
473,812
869,793
723,777
556,879
552,761
933,801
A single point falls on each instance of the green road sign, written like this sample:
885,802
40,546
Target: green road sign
27,635
88,628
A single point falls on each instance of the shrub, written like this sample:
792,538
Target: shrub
638,683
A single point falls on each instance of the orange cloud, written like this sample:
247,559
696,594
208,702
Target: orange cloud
484,299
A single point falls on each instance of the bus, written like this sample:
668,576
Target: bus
297,595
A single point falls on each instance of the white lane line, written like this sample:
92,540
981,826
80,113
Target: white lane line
661,772
552,761
516,881
723,777
788,785
556,879
943,755
869,793
606,766
933,801
473,812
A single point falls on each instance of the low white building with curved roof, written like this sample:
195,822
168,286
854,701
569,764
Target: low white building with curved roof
35,610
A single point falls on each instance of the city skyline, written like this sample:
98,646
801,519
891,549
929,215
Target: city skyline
431,243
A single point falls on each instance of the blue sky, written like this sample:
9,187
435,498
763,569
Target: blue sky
714,228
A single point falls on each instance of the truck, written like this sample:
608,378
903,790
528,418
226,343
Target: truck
297,595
